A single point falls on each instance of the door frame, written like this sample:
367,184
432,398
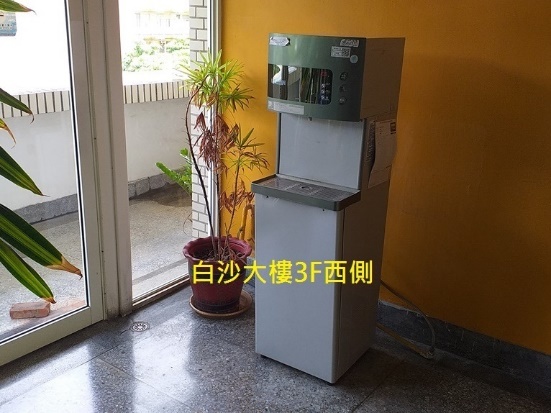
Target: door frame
92,179
119,300
94,39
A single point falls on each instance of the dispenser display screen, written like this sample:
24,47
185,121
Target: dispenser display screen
300,84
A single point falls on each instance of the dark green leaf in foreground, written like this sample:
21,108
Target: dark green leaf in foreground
15,103
11,170
24,273
22,236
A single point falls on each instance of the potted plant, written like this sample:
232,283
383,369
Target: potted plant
15,232
216,263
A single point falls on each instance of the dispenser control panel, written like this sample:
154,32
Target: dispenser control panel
332,77
315,76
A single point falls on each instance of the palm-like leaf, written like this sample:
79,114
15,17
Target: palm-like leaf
12,6
182,176
11,170
215,87
32,243
14,229
24,273
8,99
4,126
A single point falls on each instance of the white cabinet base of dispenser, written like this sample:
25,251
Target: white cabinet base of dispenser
316,327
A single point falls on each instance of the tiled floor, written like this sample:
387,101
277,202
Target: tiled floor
185,363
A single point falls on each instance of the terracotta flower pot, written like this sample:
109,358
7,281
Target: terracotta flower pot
220,295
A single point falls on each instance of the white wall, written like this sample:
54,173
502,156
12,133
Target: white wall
155,131
45,149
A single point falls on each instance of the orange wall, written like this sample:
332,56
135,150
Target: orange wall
469,221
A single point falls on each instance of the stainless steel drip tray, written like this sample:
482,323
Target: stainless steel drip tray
306,192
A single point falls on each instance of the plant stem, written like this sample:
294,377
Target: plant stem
234,206
197,170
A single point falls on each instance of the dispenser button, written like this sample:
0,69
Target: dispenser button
344,76
343,88
342,101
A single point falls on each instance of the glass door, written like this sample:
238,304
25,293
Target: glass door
56,150
154,48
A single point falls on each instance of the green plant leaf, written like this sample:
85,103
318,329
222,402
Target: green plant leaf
12,6
11,170
181,177
22,236
9,100
217,85
4,126
24,273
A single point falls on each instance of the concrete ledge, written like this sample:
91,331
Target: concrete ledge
68,204
49,209
141,186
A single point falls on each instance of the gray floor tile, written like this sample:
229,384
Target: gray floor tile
200,371
414,388
185,363
238,331
210,365
28,372
291,390
94,387
59,357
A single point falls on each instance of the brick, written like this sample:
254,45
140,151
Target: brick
196,24
199,226
201,12
200,209
199,205
196,188
197,3
202,35
202,217
35,309
197,44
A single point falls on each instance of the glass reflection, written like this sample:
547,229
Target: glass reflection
300,84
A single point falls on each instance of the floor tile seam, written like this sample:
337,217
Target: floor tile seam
49,379
53,376
144,383
381,383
